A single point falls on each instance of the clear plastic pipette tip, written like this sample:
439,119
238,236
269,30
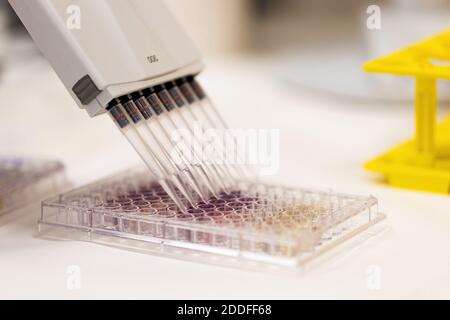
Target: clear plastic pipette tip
193,184
180,186
172,194
206,182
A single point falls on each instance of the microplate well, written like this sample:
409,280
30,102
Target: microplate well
256,226
25,180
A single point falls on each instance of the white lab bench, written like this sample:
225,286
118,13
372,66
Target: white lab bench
324,141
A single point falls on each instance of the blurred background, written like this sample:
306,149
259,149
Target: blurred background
298,46
307,39
290,65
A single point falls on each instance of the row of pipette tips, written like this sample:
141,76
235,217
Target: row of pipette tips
148,119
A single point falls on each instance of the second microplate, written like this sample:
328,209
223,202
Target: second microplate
24,180
256,226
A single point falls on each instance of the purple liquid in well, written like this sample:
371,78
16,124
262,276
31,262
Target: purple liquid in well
130,208
207,207
141,204
185,217
124,202
196,212
217,202
235,205
215,214
152,198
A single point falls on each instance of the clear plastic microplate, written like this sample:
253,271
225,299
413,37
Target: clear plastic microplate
255,226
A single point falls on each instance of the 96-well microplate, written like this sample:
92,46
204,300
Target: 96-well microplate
254,226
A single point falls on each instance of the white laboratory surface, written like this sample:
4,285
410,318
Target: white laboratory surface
324,141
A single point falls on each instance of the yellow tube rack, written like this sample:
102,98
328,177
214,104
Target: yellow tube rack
424,162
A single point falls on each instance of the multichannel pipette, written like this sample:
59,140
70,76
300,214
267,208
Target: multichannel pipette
141,69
